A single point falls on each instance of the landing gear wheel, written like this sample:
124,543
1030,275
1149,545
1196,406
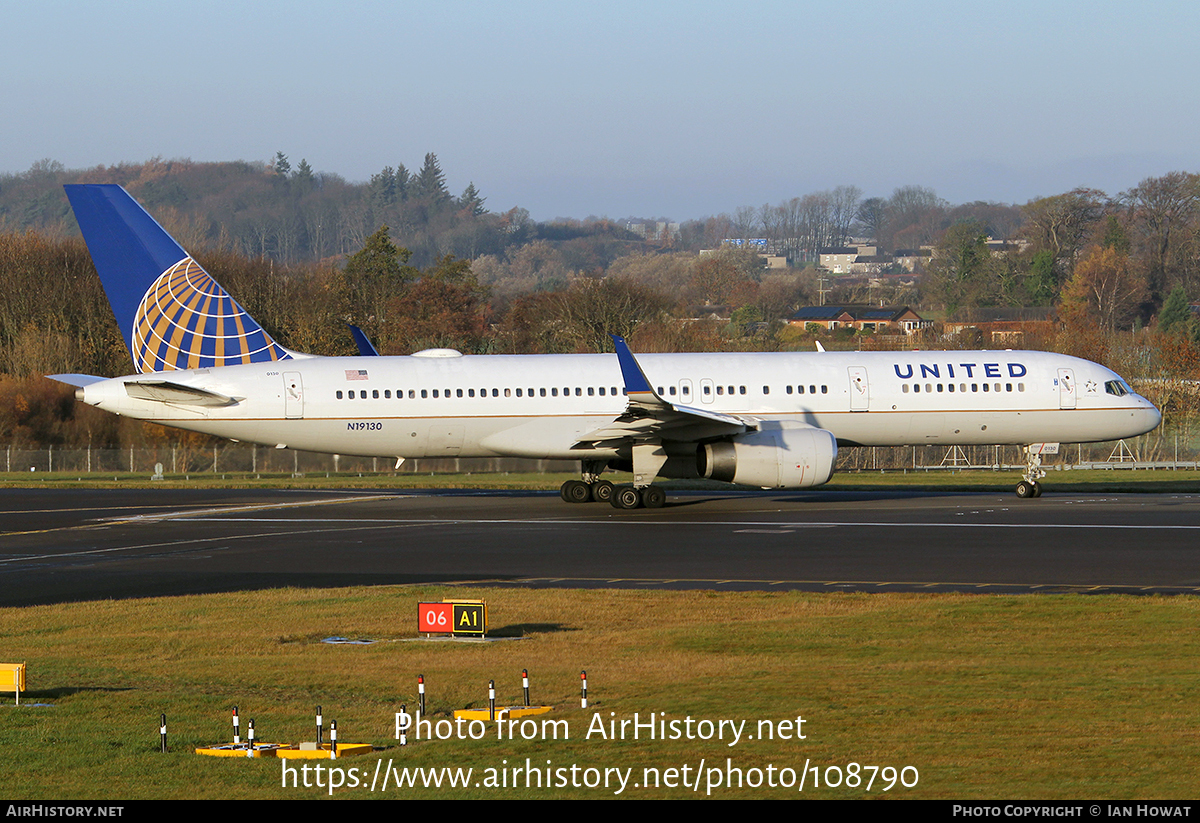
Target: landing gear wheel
1037,489
653,497
602,491
626,497
575,491
1027,489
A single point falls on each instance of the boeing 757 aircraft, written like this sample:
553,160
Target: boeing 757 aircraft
773,420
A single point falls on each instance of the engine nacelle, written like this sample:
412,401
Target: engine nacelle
775,458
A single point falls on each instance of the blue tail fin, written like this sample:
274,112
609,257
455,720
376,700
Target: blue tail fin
172,313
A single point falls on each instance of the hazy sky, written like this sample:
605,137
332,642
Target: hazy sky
673,109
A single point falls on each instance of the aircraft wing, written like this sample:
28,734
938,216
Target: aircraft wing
649,417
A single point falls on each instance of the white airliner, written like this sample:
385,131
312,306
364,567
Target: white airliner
772,420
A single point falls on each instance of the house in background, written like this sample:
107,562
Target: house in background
862,318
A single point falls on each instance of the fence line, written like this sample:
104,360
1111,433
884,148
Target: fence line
1156,450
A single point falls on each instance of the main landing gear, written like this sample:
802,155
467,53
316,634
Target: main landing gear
1029,485
621,497
591,487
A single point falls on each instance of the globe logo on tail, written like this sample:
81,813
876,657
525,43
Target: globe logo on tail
187,321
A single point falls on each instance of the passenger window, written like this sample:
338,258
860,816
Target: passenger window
720,390
339,395
375,394
766,389
800,390
789,389
387,394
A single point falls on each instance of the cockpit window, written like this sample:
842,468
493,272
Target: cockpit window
1116,388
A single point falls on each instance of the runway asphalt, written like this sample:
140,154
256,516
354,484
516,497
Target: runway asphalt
68,545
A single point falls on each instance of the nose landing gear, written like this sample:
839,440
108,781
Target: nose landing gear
1029,485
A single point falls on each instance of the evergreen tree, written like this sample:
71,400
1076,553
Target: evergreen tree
430,183
471,202
304,174
383,187
282,167
404,180
1176,315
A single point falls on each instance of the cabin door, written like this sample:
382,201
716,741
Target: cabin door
1066,388
293,395
860,390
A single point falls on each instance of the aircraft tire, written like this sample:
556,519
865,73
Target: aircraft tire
575,491
653,497
626,497
1026,489
602,491
1037,489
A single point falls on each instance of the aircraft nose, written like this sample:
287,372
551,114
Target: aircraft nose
1151,416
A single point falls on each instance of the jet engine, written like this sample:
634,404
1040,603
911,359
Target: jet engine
772,458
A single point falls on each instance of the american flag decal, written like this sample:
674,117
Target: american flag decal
356,374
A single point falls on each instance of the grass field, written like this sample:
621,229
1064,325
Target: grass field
980,696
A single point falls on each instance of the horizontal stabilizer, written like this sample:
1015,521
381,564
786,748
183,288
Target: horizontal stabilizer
164,391
77,380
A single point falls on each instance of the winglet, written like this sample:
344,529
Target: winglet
635,379
362,341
